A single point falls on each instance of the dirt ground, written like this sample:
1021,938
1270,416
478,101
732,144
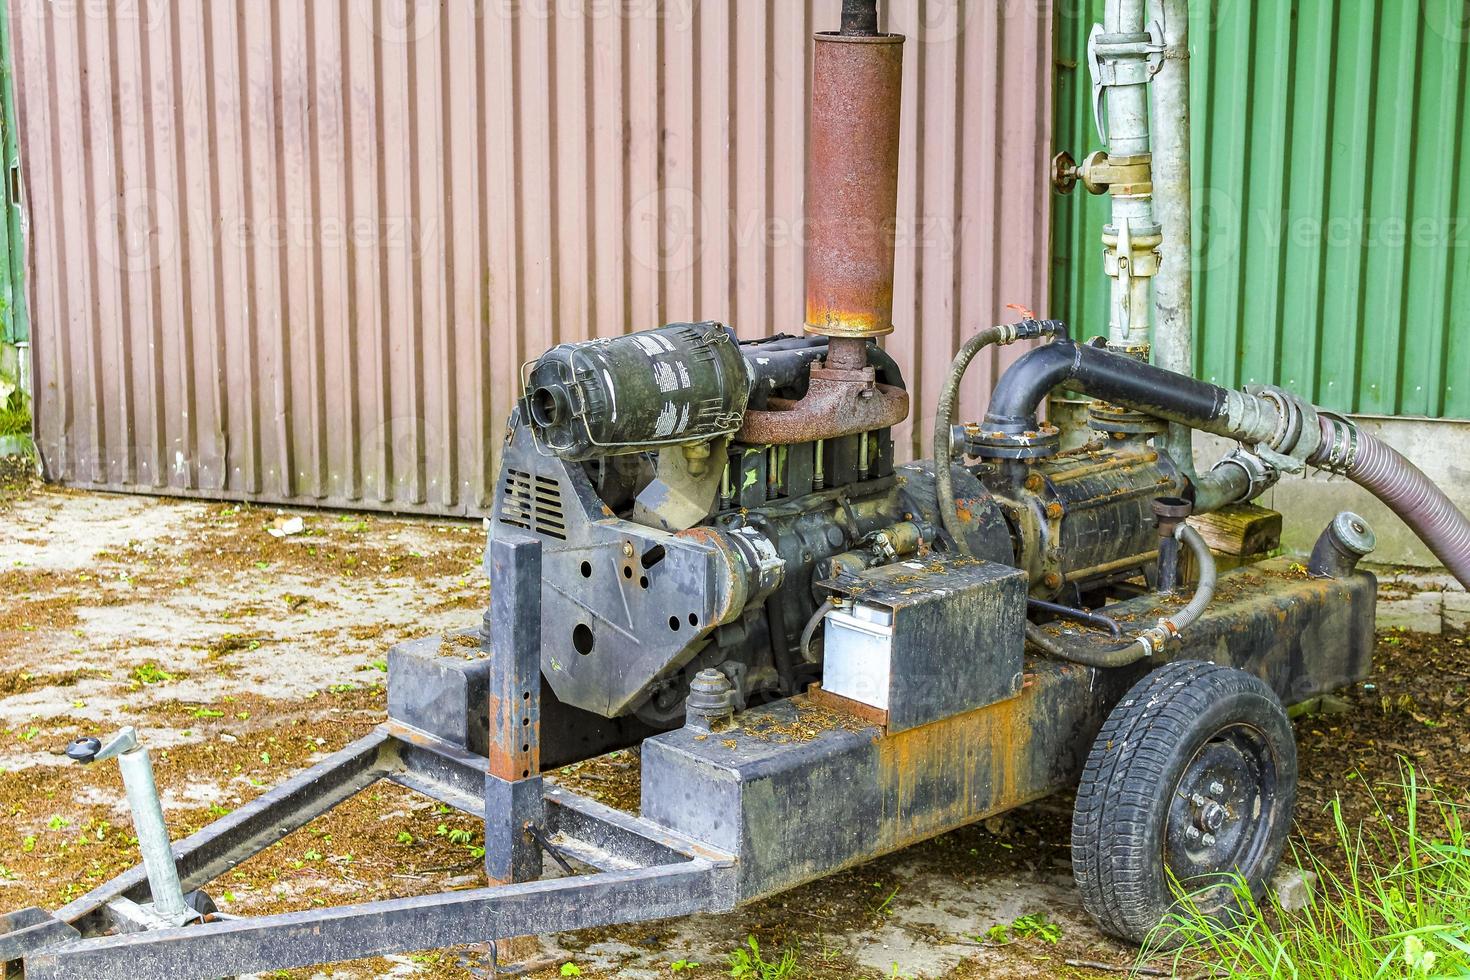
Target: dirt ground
243,657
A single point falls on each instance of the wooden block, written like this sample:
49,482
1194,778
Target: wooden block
1240,529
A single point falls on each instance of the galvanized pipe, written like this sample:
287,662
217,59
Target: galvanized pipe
1173,337
1127,98
153,842
1173,346
1132,236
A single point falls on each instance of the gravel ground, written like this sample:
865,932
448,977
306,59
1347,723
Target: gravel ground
243,657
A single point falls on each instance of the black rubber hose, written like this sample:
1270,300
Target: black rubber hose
810,629
1103,374
1378,468
949,395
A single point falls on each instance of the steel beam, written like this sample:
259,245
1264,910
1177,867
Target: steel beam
512,787
299,939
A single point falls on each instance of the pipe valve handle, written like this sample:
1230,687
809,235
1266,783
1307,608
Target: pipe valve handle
83,749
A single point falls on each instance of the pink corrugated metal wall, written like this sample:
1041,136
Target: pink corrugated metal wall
298,251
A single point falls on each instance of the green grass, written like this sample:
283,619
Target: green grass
748,963
14,421
1392,901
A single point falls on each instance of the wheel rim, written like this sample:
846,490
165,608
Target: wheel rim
1220,815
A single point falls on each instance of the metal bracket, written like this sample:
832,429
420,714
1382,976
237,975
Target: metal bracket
1101,65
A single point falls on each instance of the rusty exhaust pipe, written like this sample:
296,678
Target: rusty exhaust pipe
852,182
851,211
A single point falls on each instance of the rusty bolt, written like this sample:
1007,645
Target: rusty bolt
1054,511
1034,482
627,549
1053,580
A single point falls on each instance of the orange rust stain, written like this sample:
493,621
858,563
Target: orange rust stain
987,745
515,741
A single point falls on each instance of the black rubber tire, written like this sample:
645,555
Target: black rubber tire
1186,721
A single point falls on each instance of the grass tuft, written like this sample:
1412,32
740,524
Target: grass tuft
1392,900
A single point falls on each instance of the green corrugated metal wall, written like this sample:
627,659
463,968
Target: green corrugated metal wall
1331,198
14,321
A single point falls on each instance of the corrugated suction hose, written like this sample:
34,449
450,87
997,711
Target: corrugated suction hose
1378,468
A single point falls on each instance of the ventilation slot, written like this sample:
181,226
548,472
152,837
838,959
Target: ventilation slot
533,503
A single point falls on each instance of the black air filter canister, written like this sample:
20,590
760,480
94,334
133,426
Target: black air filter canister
677,384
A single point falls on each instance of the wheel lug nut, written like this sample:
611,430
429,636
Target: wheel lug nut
1211,816
1208,840
1217,789
1198,800
1191,833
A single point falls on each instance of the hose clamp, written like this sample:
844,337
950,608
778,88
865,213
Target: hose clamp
1260,475
1340,447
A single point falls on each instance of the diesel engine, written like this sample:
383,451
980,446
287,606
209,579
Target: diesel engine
693,492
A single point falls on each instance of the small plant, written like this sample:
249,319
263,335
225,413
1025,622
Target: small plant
206,712
571,970
683,966
151,673
58,822
746,961
404,837
1030,926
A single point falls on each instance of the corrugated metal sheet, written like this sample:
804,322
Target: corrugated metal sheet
1332,198
14,321
298,251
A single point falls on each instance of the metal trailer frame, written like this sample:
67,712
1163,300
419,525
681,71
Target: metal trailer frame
727,817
